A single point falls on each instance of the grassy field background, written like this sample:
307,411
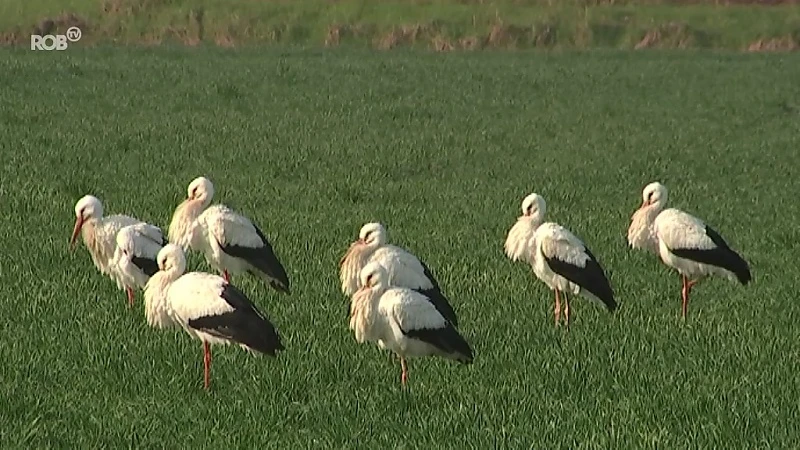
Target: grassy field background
440,148
441,25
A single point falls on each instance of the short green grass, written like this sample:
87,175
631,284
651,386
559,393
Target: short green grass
440,148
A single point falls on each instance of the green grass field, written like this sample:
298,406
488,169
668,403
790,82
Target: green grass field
440,148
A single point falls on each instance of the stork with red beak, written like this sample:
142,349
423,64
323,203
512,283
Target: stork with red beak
558,258
684,243
208,308
230,242
403,320
99,234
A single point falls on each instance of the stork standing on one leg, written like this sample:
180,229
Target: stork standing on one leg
403,321
209,308
683,243
230,242
558,258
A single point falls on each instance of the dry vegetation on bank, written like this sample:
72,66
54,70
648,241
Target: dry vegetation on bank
438,25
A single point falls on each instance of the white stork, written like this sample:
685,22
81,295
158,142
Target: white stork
135,255
404,269
519,240
558,258
683,242
230,242
403,321
209,308
99,234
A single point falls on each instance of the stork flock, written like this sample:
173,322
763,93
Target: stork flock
395,300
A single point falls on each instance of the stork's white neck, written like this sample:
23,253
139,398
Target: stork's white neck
100,248
180,227
352,263
364,305
156,306
519,236
641,233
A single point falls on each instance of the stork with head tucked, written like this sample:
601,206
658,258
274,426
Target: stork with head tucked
519,239
230,242
683,242
135,255
558,258
402,320
209,308
99,234
403,268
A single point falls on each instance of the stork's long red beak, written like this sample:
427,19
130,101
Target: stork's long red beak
644,203
75,231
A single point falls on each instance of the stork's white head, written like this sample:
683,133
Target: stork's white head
374,276
201,189
654,194
534,206
88,207
171,259
124,241
372,235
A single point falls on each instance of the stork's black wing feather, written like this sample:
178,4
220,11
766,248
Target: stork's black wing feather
244,325
262,258
146,265
590,277
720,256
446,339
439,301
427,272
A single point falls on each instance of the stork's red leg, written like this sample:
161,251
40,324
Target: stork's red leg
685,295
129,291
687,289
557,309
207,365
226,276
404,375
566,310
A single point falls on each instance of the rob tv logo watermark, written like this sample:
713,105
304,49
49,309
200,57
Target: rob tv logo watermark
55,42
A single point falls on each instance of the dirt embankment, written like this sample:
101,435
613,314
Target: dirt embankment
112,24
